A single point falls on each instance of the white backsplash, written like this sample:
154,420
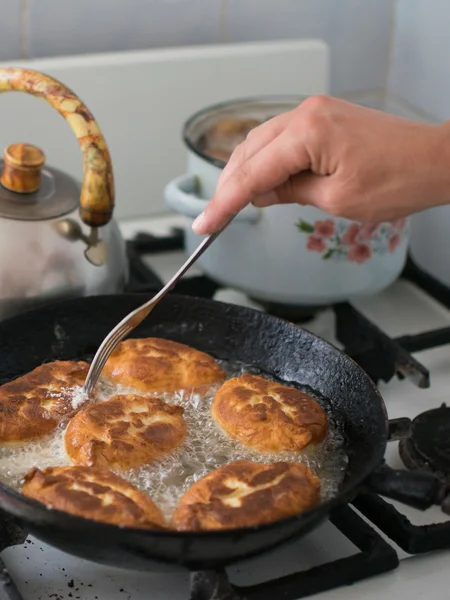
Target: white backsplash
141,100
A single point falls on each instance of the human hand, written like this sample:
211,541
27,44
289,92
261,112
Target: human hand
345,159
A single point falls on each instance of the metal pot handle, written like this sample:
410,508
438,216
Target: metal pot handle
419,490
181,194
97,193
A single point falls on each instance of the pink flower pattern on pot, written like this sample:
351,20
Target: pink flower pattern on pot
359,253
350,235
324,228
316,243
356,242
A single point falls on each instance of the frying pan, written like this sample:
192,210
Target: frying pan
74,329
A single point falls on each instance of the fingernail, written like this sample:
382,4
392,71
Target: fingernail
197,224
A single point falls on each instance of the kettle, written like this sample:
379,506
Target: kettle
57,237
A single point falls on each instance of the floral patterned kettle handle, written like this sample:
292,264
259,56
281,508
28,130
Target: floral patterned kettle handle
97,194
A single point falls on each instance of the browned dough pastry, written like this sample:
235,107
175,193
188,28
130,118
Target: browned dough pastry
94,494
124,432
158,365
268,416
32,405
245,493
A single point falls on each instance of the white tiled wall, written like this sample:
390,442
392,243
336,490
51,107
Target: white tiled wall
60,27
420,69
358,31
391,53
10,29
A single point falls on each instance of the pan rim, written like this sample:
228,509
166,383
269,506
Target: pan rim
344,495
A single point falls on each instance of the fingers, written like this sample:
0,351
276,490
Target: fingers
262,172
257,139
304,188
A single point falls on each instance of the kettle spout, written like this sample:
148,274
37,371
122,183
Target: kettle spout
97,194
96,250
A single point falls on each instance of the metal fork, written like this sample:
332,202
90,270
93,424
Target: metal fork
136,317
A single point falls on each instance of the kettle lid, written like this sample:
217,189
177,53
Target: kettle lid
31,191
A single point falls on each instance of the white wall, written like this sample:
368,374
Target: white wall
380,49
419,74
357,31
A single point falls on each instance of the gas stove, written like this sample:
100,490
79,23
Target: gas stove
401,338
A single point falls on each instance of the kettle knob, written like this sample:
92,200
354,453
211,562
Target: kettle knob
97,192
22,168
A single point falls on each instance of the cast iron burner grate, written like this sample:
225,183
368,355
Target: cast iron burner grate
413,539
375,556
428,446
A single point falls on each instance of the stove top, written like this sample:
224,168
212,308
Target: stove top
364,542
428,446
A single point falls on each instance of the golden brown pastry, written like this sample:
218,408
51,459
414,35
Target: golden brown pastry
158,365
31,406
268,416
94,494
124,432
245,493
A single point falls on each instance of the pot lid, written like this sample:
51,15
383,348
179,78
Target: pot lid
30,191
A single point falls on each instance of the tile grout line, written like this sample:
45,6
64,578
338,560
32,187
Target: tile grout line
391,48
390,96
24,28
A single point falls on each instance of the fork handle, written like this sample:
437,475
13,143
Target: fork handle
204,245
137,316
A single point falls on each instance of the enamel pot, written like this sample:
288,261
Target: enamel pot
292,255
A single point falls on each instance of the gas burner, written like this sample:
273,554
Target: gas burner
290,312
428,447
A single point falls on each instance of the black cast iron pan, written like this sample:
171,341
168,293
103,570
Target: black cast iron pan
74,329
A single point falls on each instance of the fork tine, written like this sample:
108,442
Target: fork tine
113,338
102,356
109,344
139,314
